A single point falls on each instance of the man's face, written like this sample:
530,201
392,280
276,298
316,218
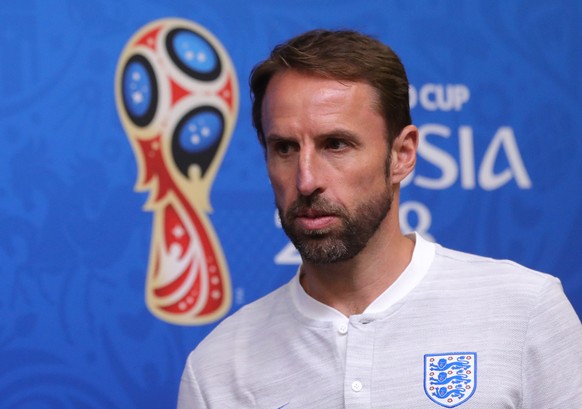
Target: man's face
327,159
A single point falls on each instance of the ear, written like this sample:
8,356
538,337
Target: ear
403,157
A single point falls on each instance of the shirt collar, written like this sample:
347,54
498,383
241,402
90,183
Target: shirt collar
422,257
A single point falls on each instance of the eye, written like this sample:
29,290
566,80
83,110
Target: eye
282,147
336,144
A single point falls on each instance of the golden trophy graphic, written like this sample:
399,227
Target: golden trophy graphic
177,98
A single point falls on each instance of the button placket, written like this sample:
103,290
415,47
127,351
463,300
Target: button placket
359,356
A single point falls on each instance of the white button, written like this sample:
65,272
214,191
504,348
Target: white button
342,329
357,386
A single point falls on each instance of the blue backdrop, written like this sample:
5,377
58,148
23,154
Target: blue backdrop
497,95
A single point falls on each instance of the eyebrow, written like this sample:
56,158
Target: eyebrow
336,133
271,138
340,134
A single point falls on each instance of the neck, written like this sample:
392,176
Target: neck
350,286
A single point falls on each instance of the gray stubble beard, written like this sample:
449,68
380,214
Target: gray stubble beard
326,246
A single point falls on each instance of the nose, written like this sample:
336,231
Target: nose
309,175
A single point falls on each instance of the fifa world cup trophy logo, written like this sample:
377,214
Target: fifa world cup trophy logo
177,97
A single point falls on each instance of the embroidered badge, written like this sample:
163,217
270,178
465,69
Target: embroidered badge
450,379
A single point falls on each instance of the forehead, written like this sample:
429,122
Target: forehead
301,96
314,81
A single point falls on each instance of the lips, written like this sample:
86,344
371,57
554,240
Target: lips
313,215
310,219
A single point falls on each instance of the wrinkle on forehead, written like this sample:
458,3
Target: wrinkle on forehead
305,99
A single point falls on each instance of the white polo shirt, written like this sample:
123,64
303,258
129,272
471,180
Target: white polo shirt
455,330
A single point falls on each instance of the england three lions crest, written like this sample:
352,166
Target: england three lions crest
450,379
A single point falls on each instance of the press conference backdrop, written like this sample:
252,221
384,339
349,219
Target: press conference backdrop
119,252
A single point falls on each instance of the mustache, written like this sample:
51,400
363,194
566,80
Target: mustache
314,206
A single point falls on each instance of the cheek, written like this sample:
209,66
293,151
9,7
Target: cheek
280,188
365,182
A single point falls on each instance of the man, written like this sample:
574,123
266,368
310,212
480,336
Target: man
374,319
